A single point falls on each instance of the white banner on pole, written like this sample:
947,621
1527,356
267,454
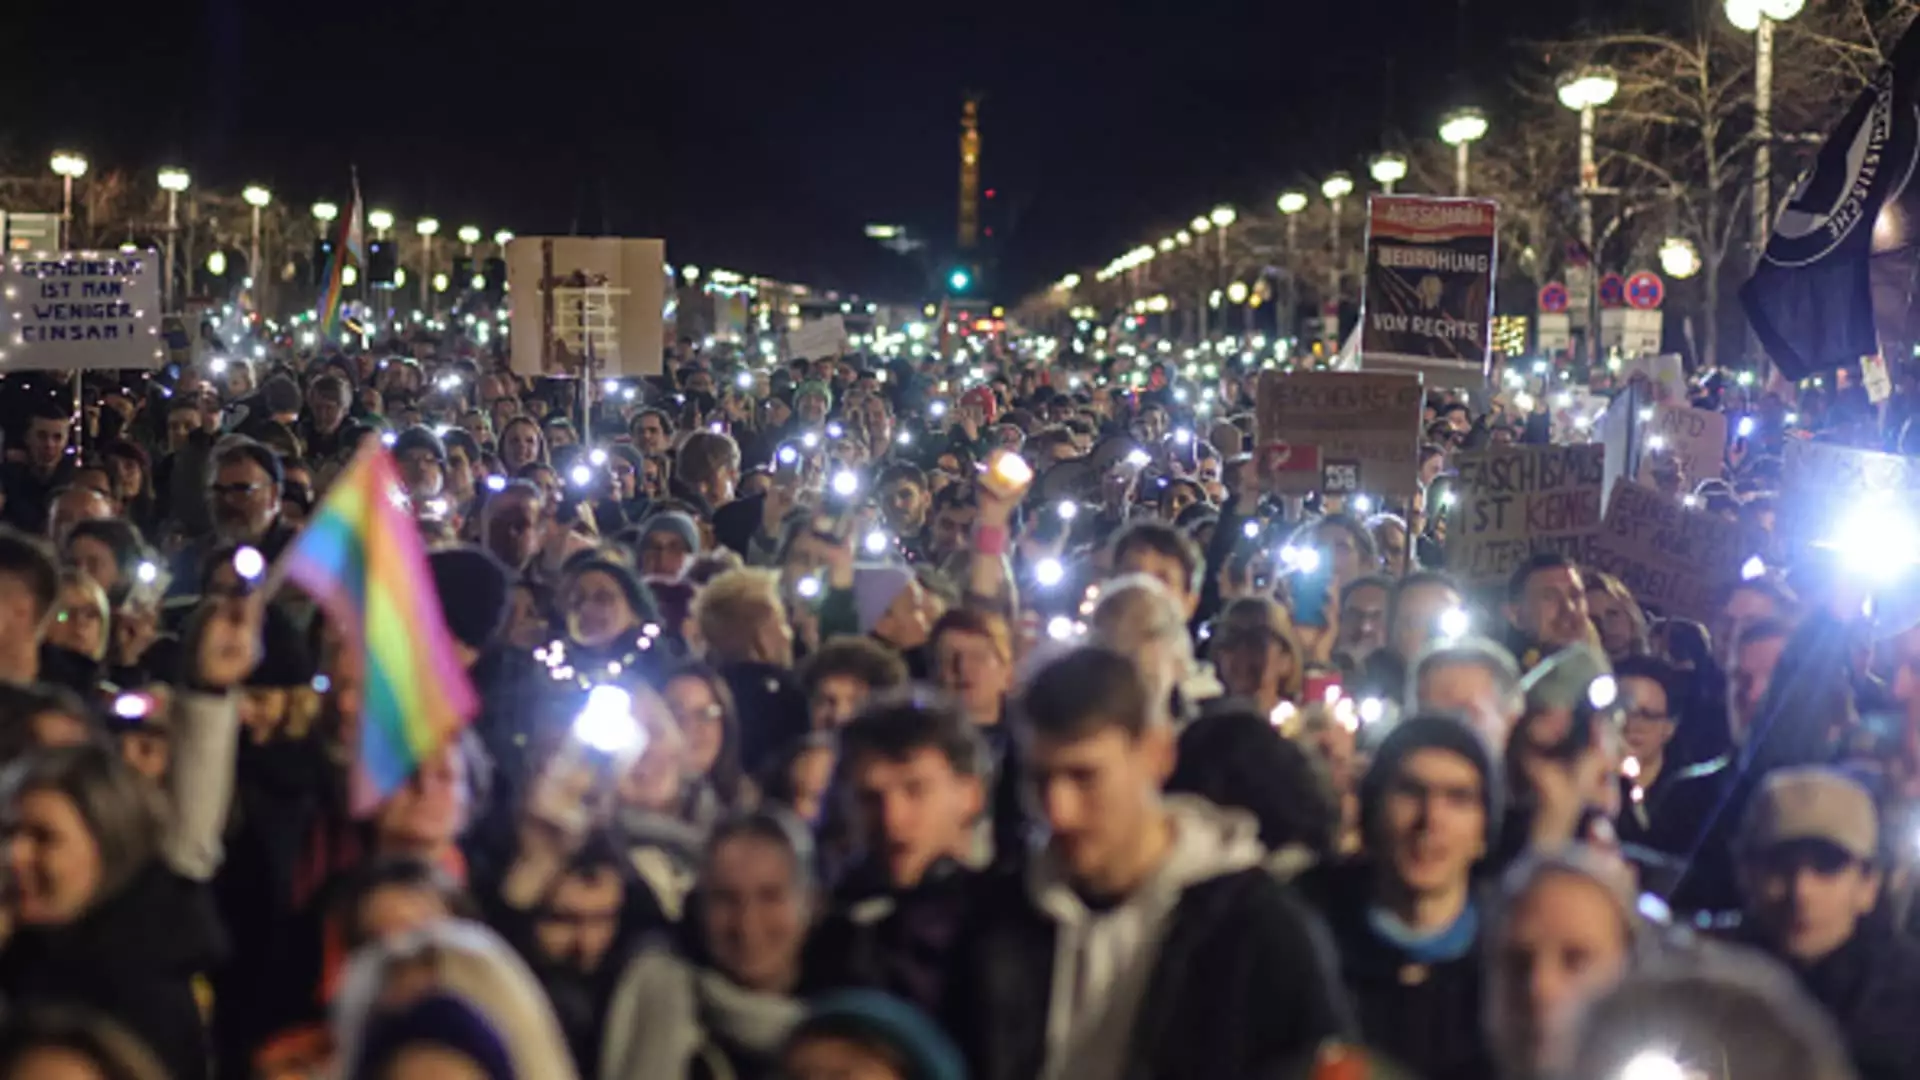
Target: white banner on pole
68,310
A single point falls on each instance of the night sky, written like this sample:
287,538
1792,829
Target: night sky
760,136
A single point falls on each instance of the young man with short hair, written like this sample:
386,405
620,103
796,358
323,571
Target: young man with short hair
842,674
1811,863
1164,553
1147,939
29,484
914,776
1547,607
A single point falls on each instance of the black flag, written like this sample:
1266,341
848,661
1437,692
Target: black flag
1811,299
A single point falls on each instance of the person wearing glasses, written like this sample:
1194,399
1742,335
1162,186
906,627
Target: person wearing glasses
244,492
1664,804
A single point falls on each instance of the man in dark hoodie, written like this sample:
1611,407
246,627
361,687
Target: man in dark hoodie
1147,939
1405,919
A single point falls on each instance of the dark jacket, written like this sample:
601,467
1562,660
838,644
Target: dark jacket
1425,1016
29,497
897,940
1241,983
1673,811
1233,757
134,959
186,565
1870,987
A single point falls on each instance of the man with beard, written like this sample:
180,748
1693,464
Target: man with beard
244,490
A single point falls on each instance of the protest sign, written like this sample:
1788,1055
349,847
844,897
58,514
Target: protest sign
1821,482
1672,559
1514,503
1696,438
587,306
817,338
1427,304
1666,372
81,309
1363,428
1873,375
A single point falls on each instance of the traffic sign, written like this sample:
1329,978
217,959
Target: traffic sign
1645,290
1613,291
1554,298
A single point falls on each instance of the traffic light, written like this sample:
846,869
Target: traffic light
380,262
959,279
322,256
496,275
462,272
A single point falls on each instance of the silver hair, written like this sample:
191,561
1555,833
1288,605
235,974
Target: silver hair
1470,652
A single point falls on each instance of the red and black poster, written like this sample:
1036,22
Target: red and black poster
1428,301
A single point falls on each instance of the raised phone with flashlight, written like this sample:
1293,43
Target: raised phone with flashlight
604,742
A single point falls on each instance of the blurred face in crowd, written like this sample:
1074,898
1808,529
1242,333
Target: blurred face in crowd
664,553
1416,618
53,859
1343,554
909,619
147,751
504,410
1432,823
527,627
754,913
75,505
598,611
420,471
1255,666
559,435
904,505
182,421
392,910
836,699
950,528
459,483
1471,690
329,410
1613,621
1807,897
1100,794
1748,680
971,668
95,559
658,776
1167,570
519,446
1650,720
811,408
1563,943
913,811
429,811
245,501
701,718
1552,610
577,924
129,476
477,424
513,529
626,478
1391,540
1904,655
1743,606
831,1057
1363,621
46,443
80,619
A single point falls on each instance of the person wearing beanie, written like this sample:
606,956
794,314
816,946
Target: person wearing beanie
440,1025
812,401
668,541
626,501
423,462
869,1034
607,610
1405,917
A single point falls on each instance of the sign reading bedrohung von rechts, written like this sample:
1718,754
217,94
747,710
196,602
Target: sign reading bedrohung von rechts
68,310
1428,304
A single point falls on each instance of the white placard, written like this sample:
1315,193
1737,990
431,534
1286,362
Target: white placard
588,305
1873,375
818,338
64,311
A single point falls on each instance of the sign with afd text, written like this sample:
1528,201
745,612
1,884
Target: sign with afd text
1672,559
1428,299
1516,502
81,309
1696,438
1367,419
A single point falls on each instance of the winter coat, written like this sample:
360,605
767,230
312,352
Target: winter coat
1870,988
671,1019
1233,757
1210,969
134,958
897,940
1425,1016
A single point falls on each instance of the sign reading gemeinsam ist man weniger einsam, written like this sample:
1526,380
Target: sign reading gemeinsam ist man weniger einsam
68,310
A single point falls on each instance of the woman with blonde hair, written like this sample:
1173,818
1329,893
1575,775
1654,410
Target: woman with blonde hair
1616,616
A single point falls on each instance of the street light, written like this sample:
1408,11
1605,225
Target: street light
257,197
69,166
1336,188
1167,243
426,227
1222,216
173,182
381,220
1460,129
1292,202
325,212
1757,18
217,263
1387,170
503,237
1183,237
1584,91
469,235
1679,258
1199,225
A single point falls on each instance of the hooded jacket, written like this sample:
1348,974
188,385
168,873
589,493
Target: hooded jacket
1210,968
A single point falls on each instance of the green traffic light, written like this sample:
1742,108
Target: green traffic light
959,280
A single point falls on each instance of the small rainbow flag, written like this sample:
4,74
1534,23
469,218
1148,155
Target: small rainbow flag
362,560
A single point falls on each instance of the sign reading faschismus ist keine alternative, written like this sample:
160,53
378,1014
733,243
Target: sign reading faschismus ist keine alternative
1428,304
69,310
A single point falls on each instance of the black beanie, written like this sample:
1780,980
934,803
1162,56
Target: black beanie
420,438
1430,732
639,597
476,593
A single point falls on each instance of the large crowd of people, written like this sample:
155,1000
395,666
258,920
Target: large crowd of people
917,718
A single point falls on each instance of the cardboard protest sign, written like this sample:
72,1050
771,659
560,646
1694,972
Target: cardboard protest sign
817,338
1427,304
1513,503
587,306
1820,482
1873,375
70,310
1362,429
1672,559
1697,438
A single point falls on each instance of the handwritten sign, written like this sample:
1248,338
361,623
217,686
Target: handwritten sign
1696,438
1819,482
818,338
1515,503
1671,558
1370,420
81,309
1427,299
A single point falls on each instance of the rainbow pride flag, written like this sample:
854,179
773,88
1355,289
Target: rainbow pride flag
362,560
349,246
